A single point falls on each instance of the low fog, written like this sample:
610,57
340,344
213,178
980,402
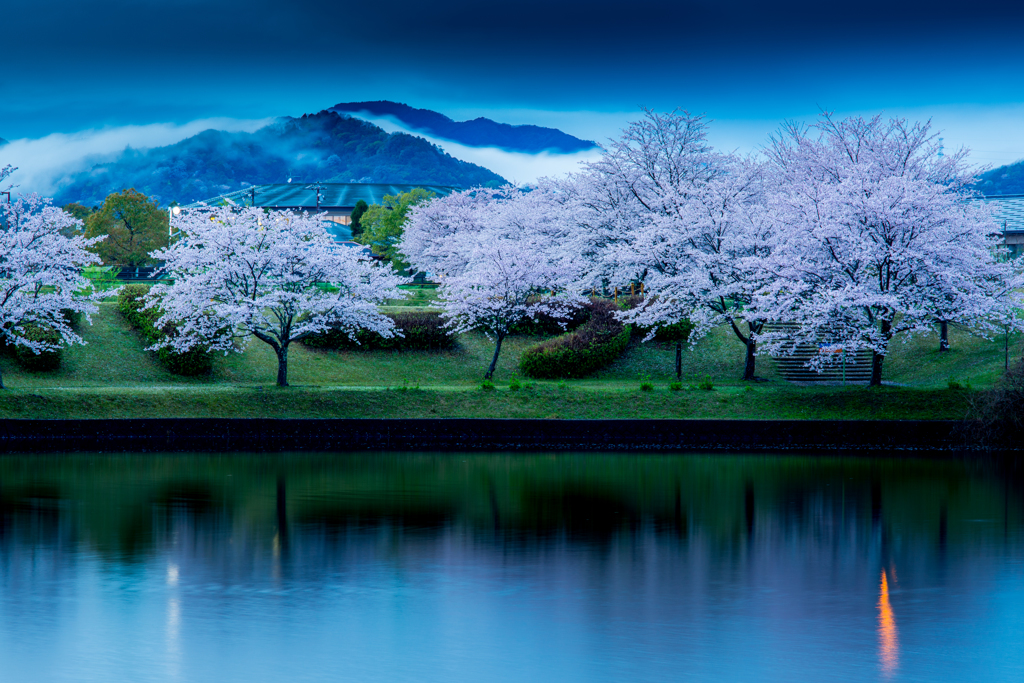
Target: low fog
517,167
43,162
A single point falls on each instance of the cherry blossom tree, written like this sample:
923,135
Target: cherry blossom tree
705,260
646,175
663,207
431,225
503,282
501,256
877,237
275,276
511,211
41,273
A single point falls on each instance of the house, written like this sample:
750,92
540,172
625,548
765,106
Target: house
1008,210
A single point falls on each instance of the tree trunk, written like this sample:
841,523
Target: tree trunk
943,335
877,358
282,514
494,361
751,346
876,369
282,365
2,381
679,361
748,369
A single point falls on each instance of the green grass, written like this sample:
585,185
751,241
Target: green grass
533,401
113,376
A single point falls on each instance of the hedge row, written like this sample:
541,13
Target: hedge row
130,302
43,361
577,354
421,331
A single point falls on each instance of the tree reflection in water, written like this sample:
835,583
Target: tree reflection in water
509,567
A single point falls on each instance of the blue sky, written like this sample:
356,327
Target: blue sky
585,67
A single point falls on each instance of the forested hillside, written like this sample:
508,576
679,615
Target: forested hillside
324,147
480,132
1003,180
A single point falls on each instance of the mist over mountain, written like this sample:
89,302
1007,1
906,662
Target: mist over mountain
325,147
1007,179
480,132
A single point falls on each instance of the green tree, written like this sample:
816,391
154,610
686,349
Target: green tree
383,224
78,211
357,214
134,226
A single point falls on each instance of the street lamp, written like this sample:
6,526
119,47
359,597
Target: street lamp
172,211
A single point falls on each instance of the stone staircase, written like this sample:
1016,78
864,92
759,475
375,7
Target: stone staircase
793,368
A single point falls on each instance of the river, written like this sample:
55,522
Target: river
509,567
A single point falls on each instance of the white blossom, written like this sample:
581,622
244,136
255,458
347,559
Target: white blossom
41,272
500,255
877,236
275,276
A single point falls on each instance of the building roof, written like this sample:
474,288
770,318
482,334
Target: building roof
1008,209
311,196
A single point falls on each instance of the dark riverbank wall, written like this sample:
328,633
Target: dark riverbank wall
270,435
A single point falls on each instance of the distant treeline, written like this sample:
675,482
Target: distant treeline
480,132
1003,180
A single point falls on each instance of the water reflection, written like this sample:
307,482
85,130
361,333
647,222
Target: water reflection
888,643
437,567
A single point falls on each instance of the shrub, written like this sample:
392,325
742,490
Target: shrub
514,384
422,331
487,385
545,324
73,318
675,386
577,354
706,384
628,302
130,302
676,332
44,360
995,418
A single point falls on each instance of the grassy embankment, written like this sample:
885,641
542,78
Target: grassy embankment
114,377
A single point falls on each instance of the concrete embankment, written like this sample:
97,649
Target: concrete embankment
340,435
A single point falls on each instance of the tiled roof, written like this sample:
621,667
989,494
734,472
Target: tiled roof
1008,210
304,195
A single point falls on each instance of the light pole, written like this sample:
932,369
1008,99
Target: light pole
172,211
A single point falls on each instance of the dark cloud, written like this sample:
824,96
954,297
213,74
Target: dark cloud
98,62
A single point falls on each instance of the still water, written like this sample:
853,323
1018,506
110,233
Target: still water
451,567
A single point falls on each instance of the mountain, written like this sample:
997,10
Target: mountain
2,142
479,132
325,147
1003,180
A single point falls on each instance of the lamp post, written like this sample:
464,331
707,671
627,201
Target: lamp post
172,211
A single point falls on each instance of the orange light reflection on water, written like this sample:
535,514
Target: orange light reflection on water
888,641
